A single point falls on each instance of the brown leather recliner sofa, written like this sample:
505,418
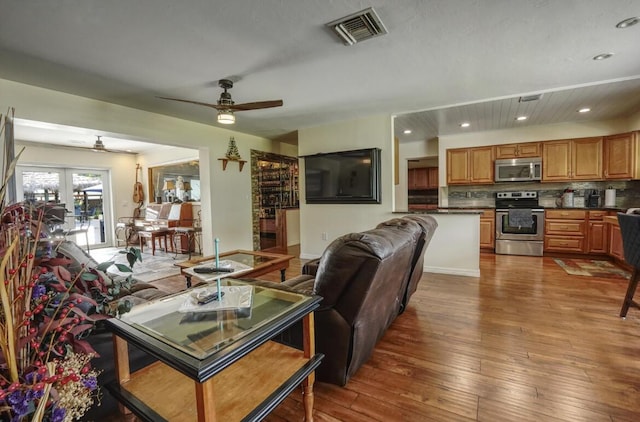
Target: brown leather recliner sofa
366,280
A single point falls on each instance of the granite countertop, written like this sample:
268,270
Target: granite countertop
546,208
465,211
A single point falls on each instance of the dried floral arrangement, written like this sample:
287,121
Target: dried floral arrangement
45,314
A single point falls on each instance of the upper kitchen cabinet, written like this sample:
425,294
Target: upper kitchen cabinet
423,178
572,159
470,166
432,178
619,157
418,178
526,150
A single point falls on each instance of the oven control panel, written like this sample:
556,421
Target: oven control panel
517,194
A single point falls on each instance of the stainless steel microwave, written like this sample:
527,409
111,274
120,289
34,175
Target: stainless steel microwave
518,169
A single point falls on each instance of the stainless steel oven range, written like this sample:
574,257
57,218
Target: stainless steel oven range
519,224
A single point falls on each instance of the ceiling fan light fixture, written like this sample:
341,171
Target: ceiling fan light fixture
603,56
98,146
628,22
226,117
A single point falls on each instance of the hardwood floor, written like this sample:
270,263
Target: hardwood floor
523,342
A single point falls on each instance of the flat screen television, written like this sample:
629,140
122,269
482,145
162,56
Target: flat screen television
344,177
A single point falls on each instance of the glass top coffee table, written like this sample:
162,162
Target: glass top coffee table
218,363
258,263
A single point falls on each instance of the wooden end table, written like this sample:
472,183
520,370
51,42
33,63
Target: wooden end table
207,361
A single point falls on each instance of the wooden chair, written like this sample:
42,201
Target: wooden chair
630,230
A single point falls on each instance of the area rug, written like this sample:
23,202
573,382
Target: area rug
592,268
152,267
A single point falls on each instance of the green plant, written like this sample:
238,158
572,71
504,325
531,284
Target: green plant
106,296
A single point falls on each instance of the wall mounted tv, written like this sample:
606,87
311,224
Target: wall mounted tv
344,177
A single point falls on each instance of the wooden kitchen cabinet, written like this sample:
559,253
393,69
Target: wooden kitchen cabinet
488,229
524,150
432,178
572,159
598,234
422,178
467,166
620,159
615,242
458,172
565,231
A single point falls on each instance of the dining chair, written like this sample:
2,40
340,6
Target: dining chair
62,226
630,230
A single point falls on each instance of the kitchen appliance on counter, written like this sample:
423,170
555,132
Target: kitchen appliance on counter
519,224
566,199
592,198
518,169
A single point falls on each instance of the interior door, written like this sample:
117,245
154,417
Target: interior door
84,194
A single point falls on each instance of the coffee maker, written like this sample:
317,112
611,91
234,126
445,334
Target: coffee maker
593,198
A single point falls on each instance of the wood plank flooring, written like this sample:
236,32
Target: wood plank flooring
523,342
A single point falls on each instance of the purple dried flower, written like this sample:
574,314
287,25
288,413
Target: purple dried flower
58,414
38,290
34,394
19,403
91,383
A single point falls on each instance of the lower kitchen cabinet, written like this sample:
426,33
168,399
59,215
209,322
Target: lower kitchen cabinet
488,229
565,231
579,231
598,234
615,242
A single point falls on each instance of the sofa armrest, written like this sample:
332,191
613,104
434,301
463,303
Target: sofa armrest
302,283
311,267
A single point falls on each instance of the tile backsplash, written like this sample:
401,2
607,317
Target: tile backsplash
627,193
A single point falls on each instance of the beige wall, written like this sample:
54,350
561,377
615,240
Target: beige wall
226,195
634,121
338,219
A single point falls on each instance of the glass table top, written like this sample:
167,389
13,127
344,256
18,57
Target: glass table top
249,259
201,330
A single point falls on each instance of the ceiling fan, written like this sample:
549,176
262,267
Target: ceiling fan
226,106
99,146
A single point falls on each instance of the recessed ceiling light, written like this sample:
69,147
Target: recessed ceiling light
584,110
407,131
520,118
628,22
465,124
602,56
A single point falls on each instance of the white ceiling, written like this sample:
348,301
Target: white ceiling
478,56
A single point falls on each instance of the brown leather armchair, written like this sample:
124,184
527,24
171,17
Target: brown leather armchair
363,279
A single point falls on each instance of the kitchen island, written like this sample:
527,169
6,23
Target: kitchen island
455,246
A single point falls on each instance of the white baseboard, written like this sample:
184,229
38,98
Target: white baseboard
308,256
452,271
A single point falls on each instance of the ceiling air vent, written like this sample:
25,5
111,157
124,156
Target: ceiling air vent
358,27
528,98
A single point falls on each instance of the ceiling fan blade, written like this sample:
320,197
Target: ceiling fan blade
256,105
216,106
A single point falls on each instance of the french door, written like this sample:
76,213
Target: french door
83,193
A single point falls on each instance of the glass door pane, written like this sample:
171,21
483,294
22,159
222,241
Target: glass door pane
40,185
88,206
